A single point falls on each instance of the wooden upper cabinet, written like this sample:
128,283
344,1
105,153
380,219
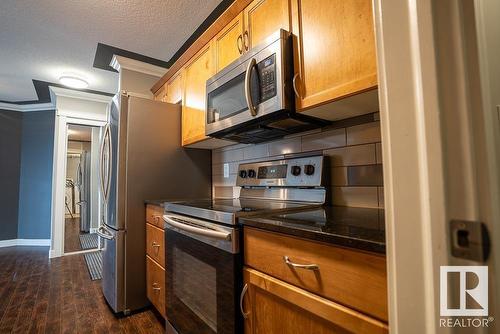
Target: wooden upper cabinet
196,73
334,51
173,90
161,94
228,43
273,306
263,18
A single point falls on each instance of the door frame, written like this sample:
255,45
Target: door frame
421,104
72,107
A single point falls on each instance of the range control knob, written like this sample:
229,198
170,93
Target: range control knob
251,173
296,170
309,169
243,174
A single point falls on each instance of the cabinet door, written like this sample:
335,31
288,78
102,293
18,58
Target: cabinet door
263,18
196,73
273,306
174,89
155,289
335,49
228,43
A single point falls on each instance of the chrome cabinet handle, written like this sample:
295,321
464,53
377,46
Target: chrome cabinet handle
301,266
239,42
156,287
245,40
155,244
155,219
242,297
248,92
294,84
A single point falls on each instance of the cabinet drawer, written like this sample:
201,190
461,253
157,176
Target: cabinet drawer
155,244
154,215
155,277
351,278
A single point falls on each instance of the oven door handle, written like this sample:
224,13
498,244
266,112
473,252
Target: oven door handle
197,230
248,87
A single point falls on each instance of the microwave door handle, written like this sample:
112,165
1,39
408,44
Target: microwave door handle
197,230
248,88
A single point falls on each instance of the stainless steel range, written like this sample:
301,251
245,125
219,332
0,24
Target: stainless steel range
203,241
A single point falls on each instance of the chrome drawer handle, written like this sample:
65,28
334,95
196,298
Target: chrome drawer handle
155,244
242,296
301,266
156,287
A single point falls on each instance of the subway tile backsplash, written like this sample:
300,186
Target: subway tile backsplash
353,162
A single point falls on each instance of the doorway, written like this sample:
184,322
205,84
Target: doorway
81,196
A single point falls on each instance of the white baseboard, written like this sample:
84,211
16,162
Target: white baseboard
24,242
53,254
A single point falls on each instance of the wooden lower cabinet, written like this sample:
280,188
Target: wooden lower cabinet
155,280
154,215
155,244
155,258
349,277
273,306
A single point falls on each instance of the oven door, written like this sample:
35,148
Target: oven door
251,87
203,276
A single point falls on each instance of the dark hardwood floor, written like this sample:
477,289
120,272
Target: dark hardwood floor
42,295
72,235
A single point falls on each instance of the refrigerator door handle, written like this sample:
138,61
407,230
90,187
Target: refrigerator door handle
110,162
101,161
103,233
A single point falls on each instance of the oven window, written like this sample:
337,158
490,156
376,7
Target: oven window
194,283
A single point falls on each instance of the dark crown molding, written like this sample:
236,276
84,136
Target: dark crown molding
43,92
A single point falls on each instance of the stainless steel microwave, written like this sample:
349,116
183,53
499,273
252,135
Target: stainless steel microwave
252,100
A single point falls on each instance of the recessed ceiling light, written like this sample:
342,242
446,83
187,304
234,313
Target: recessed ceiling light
73,81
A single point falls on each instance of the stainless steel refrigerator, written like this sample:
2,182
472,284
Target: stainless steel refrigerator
141,158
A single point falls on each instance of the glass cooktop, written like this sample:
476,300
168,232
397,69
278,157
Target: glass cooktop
227,210
236,205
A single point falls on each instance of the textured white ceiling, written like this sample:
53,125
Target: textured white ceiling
42,39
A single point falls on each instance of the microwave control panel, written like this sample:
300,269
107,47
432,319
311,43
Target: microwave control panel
267,75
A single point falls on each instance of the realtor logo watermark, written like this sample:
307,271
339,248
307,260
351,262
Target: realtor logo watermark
471,288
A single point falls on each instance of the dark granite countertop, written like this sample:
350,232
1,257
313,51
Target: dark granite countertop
359,228
159,202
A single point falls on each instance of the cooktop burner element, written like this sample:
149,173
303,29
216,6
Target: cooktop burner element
271,186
